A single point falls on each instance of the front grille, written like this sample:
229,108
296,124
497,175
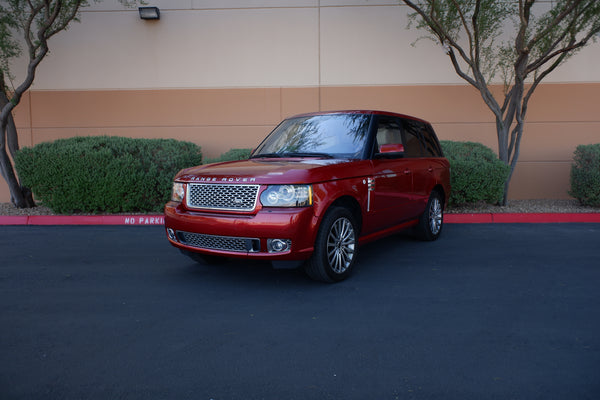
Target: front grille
214,242
222,197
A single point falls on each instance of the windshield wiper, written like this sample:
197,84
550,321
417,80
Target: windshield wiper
268,155
307,154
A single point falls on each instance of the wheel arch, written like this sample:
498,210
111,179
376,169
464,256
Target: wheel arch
440,189
351,204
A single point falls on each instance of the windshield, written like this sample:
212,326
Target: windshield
330,136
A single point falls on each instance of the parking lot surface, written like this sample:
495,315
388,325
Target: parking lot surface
489,311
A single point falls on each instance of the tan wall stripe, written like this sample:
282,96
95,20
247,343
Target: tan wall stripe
561,116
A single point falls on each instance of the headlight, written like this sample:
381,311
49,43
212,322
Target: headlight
178,192
287,196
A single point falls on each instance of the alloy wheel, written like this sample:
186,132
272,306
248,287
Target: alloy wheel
435,216
341,242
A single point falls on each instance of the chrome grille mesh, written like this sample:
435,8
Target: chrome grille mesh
222,197
214,242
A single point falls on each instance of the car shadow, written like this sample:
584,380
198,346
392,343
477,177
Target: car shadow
239,272
374,261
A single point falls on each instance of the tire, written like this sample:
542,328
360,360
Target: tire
431,221
204,258
336,247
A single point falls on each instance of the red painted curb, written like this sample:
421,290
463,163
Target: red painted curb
468,218
546,218
502,218
13,220
521,218
83,220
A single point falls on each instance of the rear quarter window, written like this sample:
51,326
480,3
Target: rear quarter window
427,138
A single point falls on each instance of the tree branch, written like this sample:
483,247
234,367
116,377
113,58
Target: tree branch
476,44
555,22
466,28
444,38
27,26
570,47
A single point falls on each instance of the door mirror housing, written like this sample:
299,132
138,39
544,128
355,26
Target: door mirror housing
391,150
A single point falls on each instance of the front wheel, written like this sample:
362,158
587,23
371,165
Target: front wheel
336,247
432,220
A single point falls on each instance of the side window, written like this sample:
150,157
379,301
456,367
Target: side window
389,135
412,141
432,146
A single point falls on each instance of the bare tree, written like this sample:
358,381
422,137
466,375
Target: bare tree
32,22
519,42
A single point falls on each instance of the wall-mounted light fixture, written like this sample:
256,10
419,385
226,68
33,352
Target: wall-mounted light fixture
149,12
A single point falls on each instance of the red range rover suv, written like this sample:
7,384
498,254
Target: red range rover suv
318,186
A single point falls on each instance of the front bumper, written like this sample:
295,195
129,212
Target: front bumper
242,235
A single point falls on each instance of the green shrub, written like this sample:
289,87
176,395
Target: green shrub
476,173
585,175
232,155
104,174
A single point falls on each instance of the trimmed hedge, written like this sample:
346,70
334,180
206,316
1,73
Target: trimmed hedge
585,175
104,174
477,174
232,155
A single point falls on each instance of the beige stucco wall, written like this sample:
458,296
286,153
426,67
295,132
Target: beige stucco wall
222,73
255,44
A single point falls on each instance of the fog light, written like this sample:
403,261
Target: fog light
278,245
171,234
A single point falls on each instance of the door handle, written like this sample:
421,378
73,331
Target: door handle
407,171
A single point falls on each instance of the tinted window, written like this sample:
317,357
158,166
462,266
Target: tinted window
424,132
412,141
337,135
432,146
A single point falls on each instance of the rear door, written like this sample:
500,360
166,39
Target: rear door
424,158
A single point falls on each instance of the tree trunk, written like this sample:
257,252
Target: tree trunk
506,186
20,197
12,138
502,132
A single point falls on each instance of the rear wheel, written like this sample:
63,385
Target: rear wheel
432,220
336,247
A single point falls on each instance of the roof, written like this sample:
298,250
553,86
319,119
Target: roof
366,112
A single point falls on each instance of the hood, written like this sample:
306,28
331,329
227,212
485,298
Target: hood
269,171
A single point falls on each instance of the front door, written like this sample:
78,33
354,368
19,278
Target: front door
391,184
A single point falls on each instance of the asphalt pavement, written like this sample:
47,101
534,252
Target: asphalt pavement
489,311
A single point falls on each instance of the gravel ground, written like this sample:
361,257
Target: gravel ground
527,206
9,209
514,206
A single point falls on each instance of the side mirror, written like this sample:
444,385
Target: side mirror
392,150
